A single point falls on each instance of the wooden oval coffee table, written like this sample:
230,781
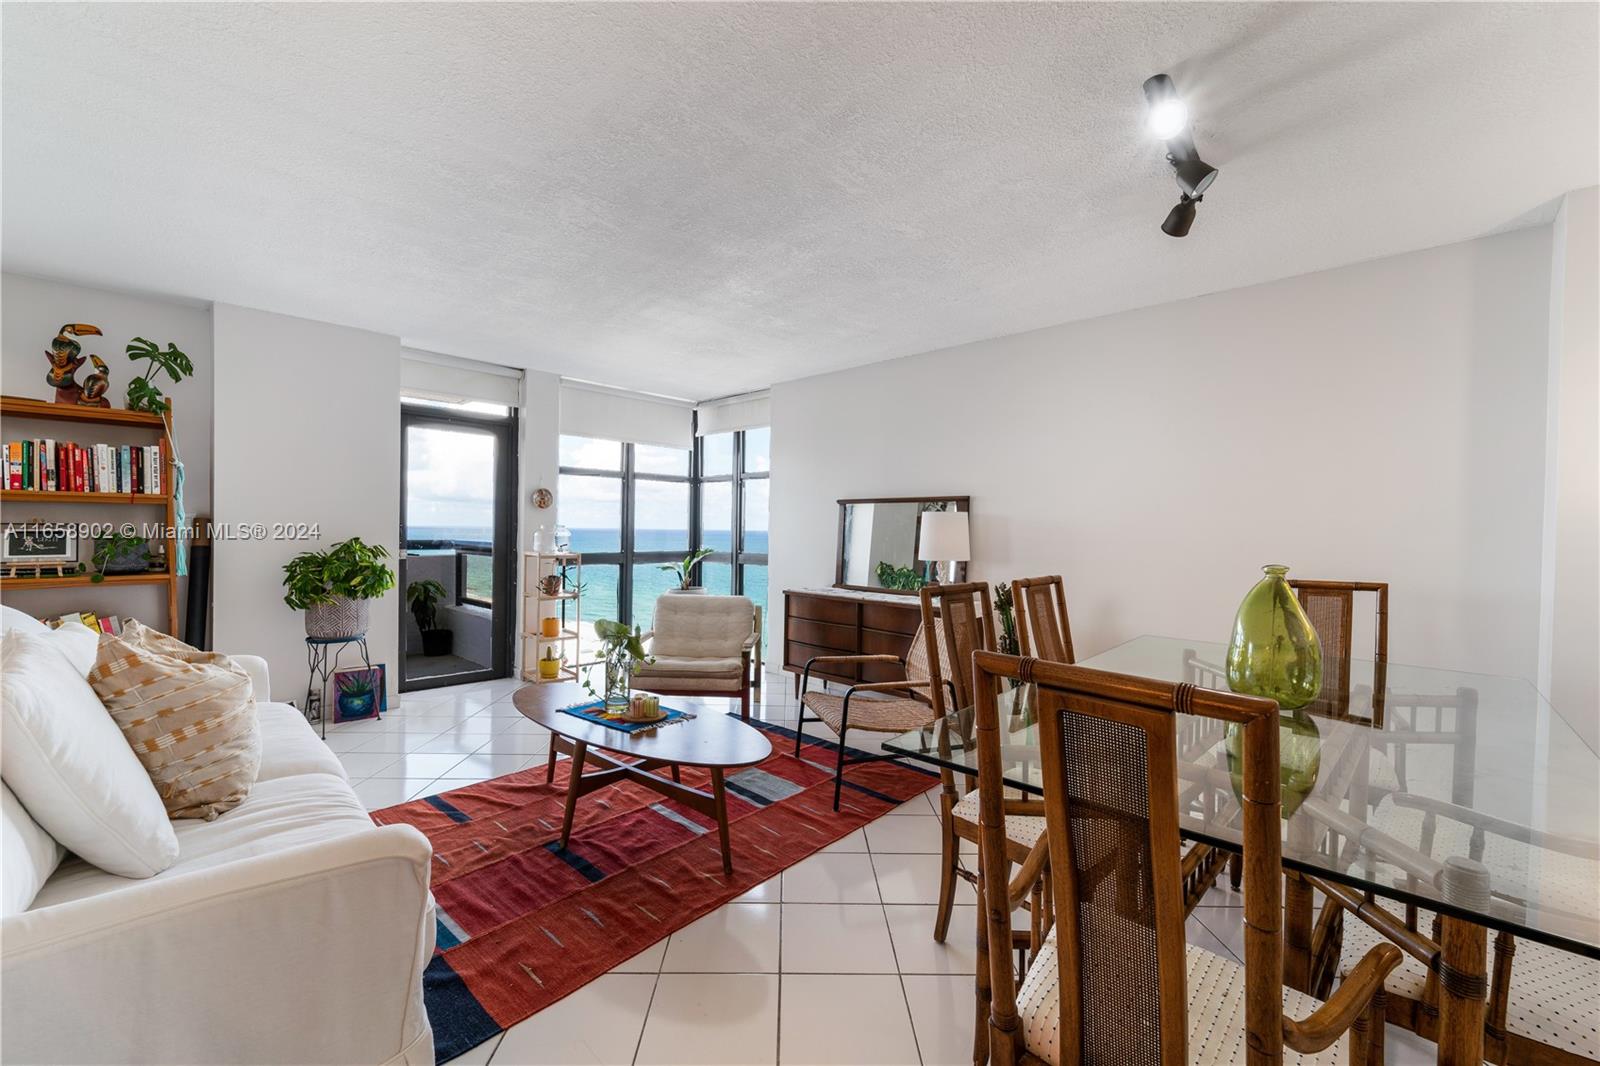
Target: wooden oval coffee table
710,741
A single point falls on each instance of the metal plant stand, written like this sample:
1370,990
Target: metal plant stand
317,659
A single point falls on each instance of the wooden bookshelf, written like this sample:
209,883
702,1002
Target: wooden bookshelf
535,566
63,415
35,496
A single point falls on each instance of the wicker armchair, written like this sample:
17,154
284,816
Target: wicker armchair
1115,981
891,707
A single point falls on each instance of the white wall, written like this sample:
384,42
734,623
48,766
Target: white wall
1569,666
1384,421
32,310
539,452
307,430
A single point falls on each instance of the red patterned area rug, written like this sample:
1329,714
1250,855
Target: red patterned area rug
522,923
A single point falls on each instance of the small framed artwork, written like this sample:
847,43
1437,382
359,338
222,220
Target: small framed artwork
359,694
38,543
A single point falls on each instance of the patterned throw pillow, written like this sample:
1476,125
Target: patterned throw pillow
188,714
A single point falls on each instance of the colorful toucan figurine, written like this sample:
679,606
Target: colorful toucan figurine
65,359
96,384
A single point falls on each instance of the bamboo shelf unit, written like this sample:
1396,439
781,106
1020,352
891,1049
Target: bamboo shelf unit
17,407
536,566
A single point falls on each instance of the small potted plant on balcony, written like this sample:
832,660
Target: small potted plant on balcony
684,571
333,587
423,597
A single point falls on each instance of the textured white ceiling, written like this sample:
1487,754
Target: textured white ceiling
700,199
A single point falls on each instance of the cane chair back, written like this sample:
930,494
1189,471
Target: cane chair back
1042,626
1330,605
1108,756
960,615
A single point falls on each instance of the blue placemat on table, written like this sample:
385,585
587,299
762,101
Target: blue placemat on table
594,711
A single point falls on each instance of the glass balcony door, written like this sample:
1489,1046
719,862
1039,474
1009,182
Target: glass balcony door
457,534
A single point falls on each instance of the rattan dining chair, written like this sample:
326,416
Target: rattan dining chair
1330,606
963,616
1116,982
891,707
1542,1009
1042,625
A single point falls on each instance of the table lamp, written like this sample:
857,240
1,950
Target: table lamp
943,538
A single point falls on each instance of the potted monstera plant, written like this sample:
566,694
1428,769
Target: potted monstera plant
334,587
423,598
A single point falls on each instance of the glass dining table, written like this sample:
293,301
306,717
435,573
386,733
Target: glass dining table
1463,794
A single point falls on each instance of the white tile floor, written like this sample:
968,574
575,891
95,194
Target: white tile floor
833,961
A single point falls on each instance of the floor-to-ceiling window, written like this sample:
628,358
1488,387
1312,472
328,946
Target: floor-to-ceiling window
734,475
633,507
629,507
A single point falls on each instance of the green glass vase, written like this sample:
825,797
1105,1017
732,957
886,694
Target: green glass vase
1274,651
1299,759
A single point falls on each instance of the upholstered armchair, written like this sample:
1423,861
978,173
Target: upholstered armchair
702,646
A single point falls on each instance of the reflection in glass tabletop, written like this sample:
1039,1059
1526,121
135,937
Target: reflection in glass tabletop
1378,793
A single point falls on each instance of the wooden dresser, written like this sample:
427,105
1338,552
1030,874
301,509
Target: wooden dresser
831,621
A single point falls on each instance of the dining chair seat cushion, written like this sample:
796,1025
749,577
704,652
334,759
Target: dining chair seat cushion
1216,1011
1020,828
877,715
1552,997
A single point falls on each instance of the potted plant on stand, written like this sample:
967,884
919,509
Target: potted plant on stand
684,571
423,597
621,654
333,587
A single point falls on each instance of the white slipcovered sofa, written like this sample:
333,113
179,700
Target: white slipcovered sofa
290,929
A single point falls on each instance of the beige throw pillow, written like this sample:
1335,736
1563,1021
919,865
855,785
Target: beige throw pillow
188,715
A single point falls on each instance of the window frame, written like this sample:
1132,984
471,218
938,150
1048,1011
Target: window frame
628,557
737,558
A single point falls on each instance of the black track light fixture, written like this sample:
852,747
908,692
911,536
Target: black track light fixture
1168,119
1181,217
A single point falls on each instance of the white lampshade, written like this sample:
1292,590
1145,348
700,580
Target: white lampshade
944,537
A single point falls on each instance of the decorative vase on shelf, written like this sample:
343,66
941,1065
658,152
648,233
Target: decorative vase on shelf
1274,651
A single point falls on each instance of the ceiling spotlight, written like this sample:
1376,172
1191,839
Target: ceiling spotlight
1194,176
1168,119
1181,217
1168,115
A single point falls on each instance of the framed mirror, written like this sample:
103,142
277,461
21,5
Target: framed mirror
880,543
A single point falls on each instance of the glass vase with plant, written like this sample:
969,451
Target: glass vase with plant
684,571
621,654
333,587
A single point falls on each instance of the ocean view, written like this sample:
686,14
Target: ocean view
600,581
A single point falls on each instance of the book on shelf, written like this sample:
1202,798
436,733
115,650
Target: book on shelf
110,623
46,465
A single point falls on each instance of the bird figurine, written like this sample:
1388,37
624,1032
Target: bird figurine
66,357
96,384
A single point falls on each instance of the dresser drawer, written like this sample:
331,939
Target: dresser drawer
892,618
875,643
823,634
823,609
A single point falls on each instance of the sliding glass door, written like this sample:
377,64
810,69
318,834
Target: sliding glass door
457,531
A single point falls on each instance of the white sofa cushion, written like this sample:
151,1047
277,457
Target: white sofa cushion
278,815
28,855
681,666
702,627
22,621
68,763
74,639
289,745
